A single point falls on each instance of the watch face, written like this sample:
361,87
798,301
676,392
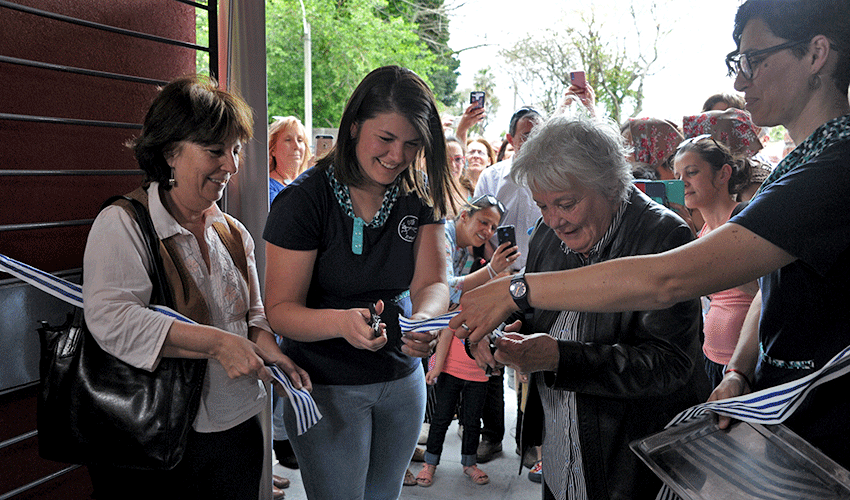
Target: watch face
518,289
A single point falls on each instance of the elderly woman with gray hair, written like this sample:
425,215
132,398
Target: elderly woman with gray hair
609,378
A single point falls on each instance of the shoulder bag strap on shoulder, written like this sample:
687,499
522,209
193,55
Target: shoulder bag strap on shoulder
152,242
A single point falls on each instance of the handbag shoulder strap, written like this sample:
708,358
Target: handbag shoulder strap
140,212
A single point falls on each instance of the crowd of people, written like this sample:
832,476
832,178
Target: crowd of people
615,312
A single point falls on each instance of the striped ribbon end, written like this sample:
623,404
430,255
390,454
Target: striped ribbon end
426,325
307,414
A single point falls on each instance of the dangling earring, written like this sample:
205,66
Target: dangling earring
172,181
814,82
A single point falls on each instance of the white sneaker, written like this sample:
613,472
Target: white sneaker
423,433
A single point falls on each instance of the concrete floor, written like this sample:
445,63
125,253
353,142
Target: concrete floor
449,482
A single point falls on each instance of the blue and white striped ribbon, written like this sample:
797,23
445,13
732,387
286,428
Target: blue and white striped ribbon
769,406
426,325
306,411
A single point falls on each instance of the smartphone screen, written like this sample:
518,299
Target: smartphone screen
675,190
663,192
506,233
477,97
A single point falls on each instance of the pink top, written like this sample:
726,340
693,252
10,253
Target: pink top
459,365
723,322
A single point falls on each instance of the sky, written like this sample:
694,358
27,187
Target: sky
690,67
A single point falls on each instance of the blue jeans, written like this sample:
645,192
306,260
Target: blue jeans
279,400
361,447
448,391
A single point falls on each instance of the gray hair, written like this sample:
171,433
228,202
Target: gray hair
565,150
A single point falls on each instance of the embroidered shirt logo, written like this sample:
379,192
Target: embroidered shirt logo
408,227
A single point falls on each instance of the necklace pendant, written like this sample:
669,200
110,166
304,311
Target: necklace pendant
357,236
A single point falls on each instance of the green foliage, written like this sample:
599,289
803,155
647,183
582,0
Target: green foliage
202,37
432,28
349,39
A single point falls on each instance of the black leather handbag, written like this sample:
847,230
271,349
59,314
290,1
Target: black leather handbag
94,409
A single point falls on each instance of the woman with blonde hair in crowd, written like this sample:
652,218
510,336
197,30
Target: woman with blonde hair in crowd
479,155
289,153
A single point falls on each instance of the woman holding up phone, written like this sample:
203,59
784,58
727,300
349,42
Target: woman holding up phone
352,234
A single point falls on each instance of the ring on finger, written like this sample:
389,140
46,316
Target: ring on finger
463,325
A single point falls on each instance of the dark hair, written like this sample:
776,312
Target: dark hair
190,108
642,170
803,20
484,202
393,89
523,112
731,100
718,154
503,150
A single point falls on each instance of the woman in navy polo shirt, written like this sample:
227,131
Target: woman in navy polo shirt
358,230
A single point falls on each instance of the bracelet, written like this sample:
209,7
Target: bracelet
742,374
490,271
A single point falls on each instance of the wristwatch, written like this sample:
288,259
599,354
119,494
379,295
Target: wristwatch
519,292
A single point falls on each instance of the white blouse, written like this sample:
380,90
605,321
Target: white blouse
117,289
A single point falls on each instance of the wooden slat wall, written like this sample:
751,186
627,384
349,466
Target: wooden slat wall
57,198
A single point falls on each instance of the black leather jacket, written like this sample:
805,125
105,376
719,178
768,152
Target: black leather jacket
633,371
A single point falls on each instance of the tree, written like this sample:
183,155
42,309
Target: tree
349,39
431,18
616,66
486,81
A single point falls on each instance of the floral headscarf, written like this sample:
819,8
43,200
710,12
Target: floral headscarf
733,127
654,140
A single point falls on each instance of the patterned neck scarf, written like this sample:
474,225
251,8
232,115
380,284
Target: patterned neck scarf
343,197
828,134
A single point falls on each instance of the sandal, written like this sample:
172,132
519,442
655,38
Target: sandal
536,472
477,475
409,479
425,478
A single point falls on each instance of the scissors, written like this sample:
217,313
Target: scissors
376,321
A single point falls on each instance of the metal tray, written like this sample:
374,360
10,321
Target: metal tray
746,461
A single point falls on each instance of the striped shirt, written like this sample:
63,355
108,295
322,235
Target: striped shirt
563,469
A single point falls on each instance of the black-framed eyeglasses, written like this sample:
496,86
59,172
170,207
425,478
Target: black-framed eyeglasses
488,200
694,140
745,63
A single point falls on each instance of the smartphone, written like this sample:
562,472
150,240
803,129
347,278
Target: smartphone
324,143
663,192
675,190
506,233
477,97
578,79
